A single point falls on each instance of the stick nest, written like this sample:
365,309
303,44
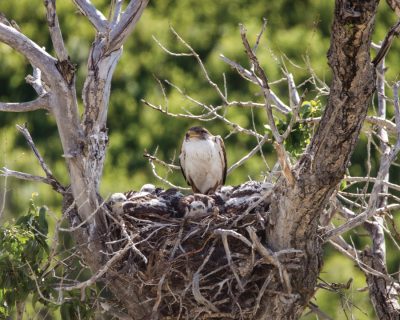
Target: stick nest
198,256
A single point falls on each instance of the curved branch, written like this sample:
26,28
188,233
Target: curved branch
96,18
126,24
36,55
37,104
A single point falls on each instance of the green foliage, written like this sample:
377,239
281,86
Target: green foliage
23,248
301,133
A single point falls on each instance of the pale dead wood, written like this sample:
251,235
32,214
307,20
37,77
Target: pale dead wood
126,23
40,103
95,16
4,172
55,31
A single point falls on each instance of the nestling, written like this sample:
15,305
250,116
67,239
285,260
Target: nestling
203,160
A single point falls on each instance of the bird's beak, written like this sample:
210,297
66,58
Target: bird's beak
192,134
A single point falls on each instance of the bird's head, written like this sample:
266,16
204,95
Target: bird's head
116,200
199,133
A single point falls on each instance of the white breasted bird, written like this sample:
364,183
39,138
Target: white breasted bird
203,160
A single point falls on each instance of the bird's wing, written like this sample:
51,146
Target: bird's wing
182,164
222,154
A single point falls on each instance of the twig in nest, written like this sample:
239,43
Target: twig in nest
271,258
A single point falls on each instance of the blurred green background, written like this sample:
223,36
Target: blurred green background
296,32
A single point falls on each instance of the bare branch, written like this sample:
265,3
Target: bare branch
117,12
387,43
4,172
95,16
263,83
37,104
201,64
264,26
247,75
126,24
175,54
117,256
55,31
249,155
36,55
358,220
35,80
163,163
56,185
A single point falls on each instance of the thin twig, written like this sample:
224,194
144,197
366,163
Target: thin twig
117,256
387,43
56,185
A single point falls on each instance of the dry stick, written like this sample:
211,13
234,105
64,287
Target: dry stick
376,228
271,258
55,31
386,161
35,80
200,62
118,255
153,168
249,76
196,282
249,155
384,123
159,161
126,24
54,182
117,12
386,44
95,16
235,126
390,185
314,308
261,293
39,103
263,83
224,234
4,172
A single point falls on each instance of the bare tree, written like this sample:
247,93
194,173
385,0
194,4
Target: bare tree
248,252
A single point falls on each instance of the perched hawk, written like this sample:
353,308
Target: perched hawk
203,160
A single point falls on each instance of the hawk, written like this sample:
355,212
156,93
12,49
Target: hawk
203,160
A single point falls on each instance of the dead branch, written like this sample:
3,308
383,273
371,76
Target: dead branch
37,104
54,182
387,43
95,16
55,31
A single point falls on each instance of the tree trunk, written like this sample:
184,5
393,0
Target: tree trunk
296,210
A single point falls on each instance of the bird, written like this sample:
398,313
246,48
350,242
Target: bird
116,202
203,160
